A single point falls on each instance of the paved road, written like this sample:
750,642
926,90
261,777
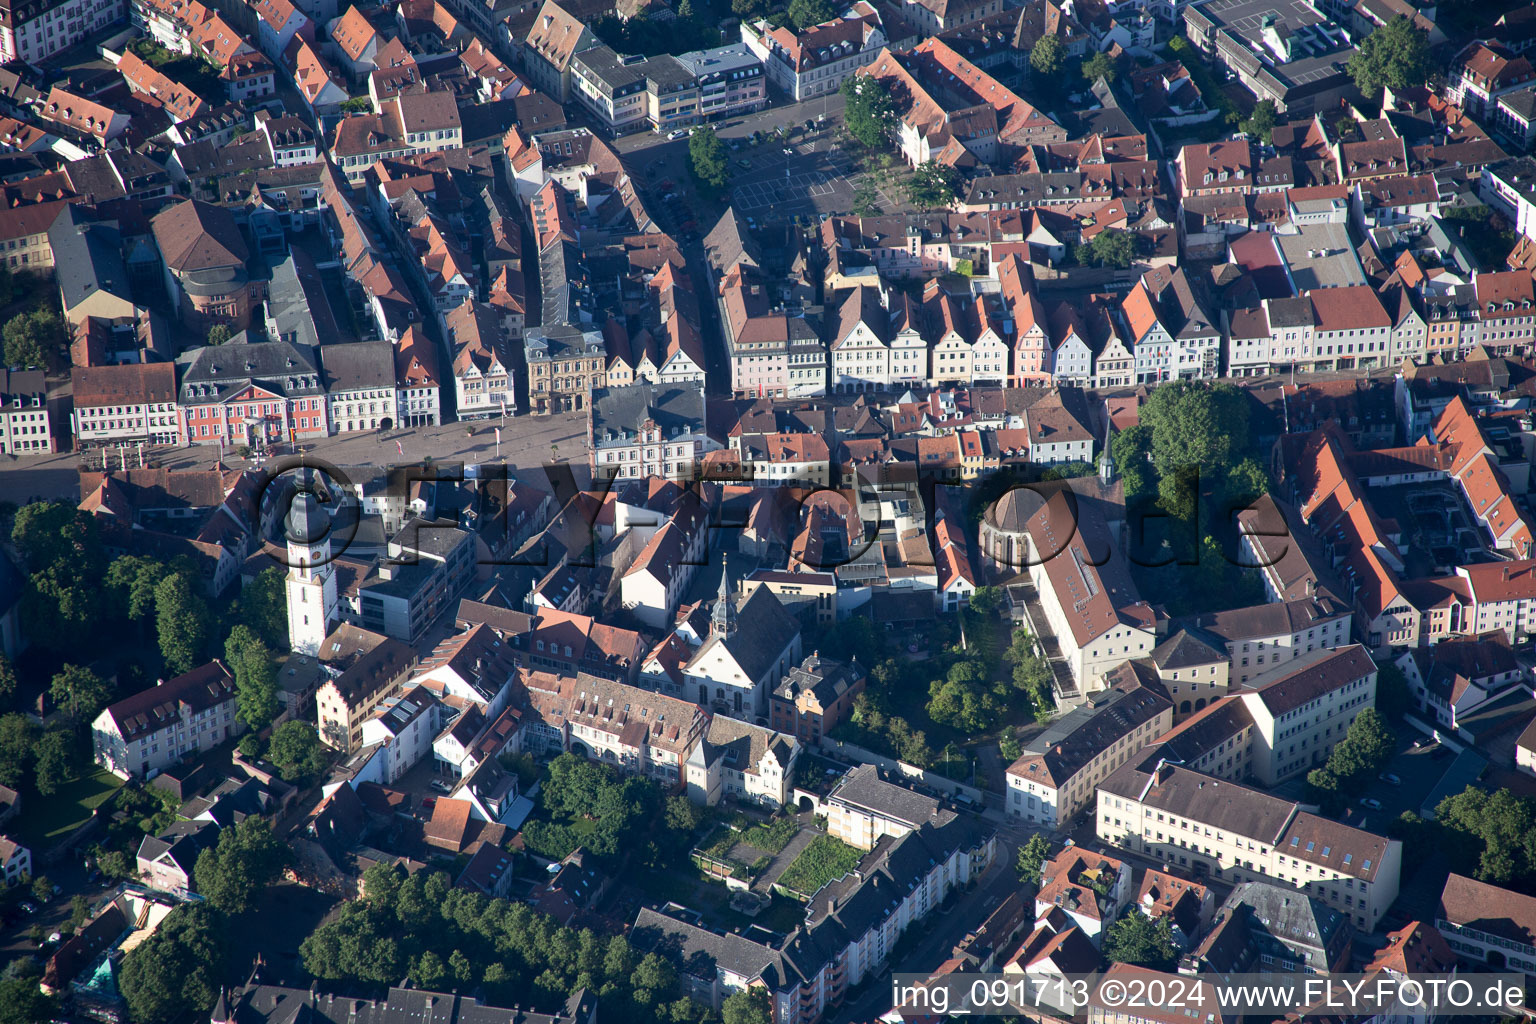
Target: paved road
528,442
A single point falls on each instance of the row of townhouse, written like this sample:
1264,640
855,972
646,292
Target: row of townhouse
258,393
881,339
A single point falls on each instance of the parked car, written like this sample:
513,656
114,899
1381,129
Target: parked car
673,136
29,906
441,786
1390,779
1370,803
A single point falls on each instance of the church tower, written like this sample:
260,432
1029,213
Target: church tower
723,619
311,580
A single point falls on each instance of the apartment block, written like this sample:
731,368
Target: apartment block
1238,834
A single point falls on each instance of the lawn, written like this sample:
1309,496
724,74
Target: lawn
46,820
822,861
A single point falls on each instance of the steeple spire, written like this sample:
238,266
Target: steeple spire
723,619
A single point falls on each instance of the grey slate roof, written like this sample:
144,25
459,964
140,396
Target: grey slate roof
87,256
217,373
274,1004
358,366
620,411
827,678
701,952
864,788
756,649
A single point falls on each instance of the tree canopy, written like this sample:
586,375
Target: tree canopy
296,751
177,969
1196,424
414,925
622,809
183,623
246,859
33,339
869,111
1396,56
1111,247
55,761
1137,939
262,605
1491,834
1032,857
1355,760
708,159
1261,123
1047,57
933,185
256,689
80,692
1100,65
805,13
747,1006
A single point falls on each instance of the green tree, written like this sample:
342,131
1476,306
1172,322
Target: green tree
218,334
255,673
62,552
1261,123
7,682
1100,65
869,110
247,859
1032,857
653,979
1196,424
1131,450
33,339
177,969
22,1002
1395,55
80,692
183,623
356,105
1111,247
708,159
263,606
55,761
53,533
1047,57
1492,835
747,1006
1137,939
131,582
805,13
1363,752
296,751
17,739
933,185
747,10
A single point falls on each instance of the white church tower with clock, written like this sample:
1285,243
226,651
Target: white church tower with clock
311,580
